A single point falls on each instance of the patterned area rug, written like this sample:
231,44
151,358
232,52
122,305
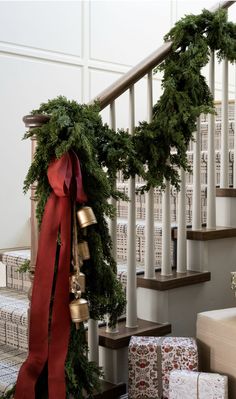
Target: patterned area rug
10,362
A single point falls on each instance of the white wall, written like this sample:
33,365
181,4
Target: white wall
72,48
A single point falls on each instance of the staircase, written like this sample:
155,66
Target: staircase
170,273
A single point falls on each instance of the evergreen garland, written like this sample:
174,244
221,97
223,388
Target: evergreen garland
154,152
162,144
79,127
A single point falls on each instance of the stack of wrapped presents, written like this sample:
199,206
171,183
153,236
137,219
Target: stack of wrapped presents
216,335
168,368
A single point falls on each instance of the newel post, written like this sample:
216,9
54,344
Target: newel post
31,122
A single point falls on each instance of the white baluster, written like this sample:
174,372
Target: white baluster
149,97
149,220
166,269
113,222
234,171
182,241
93,340
131,295
196,211
211,185
224,164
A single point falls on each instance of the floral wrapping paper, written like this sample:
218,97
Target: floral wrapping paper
151,360
186,384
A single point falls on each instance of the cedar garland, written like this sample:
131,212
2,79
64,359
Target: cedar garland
79,127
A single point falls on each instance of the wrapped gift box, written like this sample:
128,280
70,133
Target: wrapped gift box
216,332
152,358
189,384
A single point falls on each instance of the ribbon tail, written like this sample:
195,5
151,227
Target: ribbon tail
40,302
60,325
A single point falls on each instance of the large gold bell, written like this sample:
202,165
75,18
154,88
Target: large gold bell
79,310
77,282
86,217
83,250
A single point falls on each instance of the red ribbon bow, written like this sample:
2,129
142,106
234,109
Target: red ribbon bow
51,345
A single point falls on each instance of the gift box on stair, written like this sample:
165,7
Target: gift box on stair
151,360
190,384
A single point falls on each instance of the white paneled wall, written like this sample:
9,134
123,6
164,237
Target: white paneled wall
71,48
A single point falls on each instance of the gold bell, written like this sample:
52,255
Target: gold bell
79,311
83,250
86,217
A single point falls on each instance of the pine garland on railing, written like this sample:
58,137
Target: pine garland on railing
79,128
185,93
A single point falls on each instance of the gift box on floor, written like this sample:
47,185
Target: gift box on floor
216,332
189,384
151,360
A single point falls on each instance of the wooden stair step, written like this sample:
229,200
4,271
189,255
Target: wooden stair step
121,339
162,283
110,391
205,234
226,192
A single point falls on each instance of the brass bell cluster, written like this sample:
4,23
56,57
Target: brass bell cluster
79,307
233,282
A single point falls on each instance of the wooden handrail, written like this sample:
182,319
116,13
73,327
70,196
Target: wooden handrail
140,70
132,76
225,4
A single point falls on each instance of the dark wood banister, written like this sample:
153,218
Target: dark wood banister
140,70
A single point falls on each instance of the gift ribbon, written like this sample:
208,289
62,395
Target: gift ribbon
198,376
51,345
159,365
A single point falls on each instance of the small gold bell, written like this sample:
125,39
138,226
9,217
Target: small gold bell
79,311
86,217
83,250
77,282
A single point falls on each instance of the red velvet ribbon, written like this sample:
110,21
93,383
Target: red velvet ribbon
51,345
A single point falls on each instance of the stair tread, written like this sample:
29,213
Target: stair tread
122,337
21,253
108,391
205,234
13,306
162,283
226,192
